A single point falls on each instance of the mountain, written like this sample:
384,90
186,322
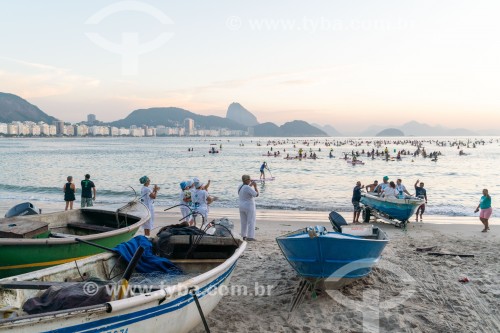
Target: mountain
239,114
390,132
171,116
418,129
414,128
328,129
293,128
14,108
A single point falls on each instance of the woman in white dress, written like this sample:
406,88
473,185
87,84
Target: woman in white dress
147,197
247,192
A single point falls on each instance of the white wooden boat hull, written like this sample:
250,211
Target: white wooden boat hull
172,309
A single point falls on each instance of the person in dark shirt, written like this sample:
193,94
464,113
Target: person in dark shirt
421,193
356,197
69,190
88,188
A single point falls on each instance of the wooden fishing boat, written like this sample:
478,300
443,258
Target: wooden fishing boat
175,304
28,243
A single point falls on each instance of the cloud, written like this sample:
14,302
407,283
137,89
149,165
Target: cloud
32,80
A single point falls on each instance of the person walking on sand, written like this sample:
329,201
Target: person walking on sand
69,190
147,197
486,210
356,197
247,193
88,188
421,193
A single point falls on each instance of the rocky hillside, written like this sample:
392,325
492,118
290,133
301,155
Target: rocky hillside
14,108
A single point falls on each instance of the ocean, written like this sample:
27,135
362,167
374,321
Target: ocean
35,169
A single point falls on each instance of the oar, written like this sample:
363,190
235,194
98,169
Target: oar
128,272
96,245
269,172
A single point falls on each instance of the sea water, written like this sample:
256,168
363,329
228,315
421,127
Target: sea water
35,169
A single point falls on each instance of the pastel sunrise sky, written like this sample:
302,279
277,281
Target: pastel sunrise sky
350,64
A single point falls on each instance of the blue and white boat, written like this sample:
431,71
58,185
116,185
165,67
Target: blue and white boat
332,258
389,208
170,306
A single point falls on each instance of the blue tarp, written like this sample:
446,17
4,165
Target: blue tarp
149,262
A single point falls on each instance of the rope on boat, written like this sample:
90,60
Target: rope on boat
193,293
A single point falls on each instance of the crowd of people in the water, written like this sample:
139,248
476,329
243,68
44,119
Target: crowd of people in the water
379,149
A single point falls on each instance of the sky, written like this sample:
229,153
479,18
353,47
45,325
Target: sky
350,64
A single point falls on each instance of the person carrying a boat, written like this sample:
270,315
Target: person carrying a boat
69,190
421,193
356,197
148,196
247,192
372,187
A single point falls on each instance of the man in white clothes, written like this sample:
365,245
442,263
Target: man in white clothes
247,192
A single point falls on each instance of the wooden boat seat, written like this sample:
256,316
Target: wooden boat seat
86,226
21,228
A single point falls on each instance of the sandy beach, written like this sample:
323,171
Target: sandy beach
408,291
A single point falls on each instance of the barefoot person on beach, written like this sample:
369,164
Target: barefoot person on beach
486,210
69,190
356,197
421,193
88,188
147,197
247,192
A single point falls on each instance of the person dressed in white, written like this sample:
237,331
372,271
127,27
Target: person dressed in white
147,197
185,201
199,197
390,192
247,192
401,188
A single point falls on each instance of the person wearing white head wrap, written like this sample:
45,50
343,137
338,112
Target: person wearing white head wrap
199,198
185,201
147,197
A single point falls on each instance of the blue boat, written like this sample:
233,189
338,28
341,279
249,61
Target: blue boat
333,259
389,208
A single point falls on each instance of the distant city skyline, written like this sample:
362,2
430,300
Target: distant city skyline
347,64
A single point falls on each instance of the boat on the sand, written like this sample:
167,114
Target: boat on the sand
389,209
28,243
333,259
160,303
